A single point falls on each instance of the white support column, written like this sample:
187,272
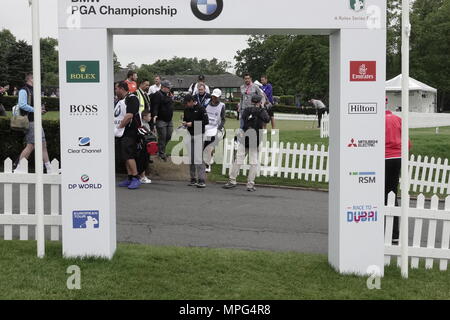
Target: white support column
87,143
356,221
39,201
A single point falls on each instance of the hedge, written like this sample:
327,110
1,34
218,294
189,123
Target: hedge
51,104
287,100
12,143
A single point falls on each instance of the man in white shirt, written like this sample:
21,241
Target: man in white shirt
193,89
156,87
320,109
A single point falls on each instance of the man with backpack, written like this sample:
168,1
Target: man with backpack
25,104
127,130
254,119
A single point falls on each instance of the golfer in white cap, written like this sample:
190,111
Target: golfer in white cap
215,129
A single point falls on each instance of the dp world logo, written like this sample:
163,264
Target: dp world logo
207,10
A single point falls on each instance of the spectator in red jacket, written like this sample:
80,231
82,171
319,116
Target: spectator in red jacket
393,162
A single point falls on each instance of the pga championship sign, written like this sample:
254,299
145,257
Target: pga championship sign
357,75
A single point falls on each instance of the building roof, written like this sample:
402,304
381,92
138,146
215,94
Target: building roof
184,81
414,85
213,81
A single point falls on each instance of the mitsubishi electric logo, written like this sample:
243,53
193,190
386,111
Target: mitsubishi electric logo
357,5
207,10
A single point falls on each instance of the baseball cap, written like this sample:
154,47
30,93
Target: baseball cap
256,98
166,83
217,93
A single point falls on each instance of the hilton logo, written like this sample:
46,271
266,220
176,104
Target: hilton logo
362,108
83,71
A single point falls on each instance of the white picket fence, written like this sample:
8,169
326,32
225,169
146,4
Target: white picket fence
424,244
22,218
289,161
311,163
325,126
429,175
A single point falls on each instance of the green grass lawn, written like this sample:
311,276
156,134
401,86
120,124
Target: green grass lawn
144,272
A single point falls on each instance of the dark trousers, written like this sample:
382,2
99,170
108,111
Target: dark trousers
197,166
391,180
320,114
165,130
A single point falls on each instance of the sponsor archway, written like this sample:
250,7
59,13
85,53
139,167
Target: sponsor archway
357,77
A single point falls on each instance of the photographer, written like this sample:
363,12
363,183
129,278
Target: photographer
254,118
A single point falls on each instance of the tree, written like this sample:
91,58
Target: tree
183,66
303,68
49,62
7,40
19,60
261,54
117,65
394,39
430,46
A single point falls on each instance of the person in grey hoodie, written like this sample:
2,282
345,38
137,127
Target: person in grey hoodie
248,90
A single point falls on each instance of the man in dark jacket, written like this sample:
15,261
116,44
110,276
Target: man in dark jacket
195,119
162,111
254,119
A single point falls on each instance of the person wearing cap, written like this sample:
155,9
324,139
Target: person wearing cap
248,90
162,111
195,120
214,130
254,118
193,89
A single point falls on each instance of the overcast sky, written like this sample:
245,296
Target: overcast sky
15,15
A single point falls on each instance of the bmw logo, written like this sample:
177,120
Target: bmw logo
207,10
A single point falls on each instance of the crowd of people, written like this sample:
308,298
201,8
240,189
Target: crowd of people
144,117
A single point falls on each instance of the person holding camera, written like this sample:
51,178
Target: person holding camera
254,119
26,109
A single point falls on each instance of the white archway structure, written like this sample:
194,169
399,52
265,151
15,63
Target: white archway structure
357,93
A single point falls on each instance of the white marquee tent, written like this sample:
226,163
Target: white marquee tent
423,98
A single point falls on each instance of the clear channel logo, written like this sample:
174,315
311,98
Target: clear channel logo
85,184
207,10
84,147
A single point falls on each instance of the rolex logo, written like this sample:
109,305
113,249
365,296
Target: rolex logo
83,71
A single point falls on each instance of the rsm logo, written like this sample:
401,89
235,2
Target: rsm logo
364,177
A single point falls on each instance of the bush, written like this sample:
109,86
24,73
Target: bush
12,143
287,100
51,104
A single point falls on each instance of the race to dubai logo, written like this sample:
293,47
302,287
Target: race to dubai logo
357,5
207,10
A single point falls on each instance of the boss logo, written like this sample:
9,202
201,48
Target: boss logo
81,109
